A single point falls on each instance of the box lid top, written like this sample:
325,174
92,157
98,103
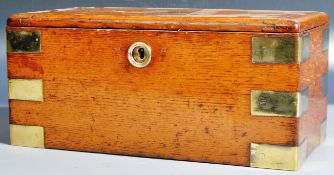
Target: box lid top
173,19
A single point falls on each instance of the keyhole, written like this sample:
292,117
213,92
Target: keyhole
141,53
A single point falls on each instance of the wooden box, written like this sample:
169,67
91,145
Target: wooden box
232,87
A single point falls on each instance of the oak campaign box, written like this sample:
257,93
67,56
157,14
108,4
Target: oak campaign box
233,87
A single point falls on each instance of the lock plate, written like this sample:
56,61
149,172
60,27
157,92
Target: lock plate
139,54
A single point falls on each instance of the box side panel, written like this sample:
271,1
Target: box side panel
191,103
313,75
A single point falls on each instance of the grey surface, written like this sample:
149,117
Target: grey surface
4,122
29,161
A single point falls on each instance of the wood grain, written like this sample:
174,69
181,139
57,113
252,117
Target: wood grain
191,103
311,73
173,19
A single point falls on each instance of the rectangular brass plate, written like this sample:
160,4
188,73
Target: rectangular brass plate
23,41
277,156
302,102
303,48
325,39
25,89
280,50
29,136
324,84
273,50
323,132
275,103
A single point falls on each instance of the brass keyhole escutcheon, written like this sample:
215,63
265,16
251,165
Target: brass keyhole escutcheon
139,54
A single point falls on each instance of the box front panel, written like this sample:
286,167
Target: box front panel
192,102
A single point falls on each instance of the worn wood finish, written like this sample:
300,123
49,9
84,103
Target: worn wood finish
188,97
191,103
311,73
173,19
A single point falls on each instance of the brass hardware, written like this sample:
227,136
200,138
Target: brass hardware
23,41
273,50
139,54
25,89
278,156
302,101
272,103
325,39
29,136
323,132
324,84
280,50
303,48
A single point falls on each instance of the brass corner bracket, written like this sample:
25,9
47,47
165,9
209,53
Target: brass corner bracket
276,103
280,49
28,136
23,41
25,89
277,156
325,39
323,133
324,84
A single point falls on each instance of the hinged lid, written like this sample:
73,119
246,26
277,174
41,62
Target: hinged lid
173,19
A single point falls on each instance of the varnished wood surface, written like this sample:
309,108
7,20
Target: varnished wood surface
173,19
191,103
311,73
